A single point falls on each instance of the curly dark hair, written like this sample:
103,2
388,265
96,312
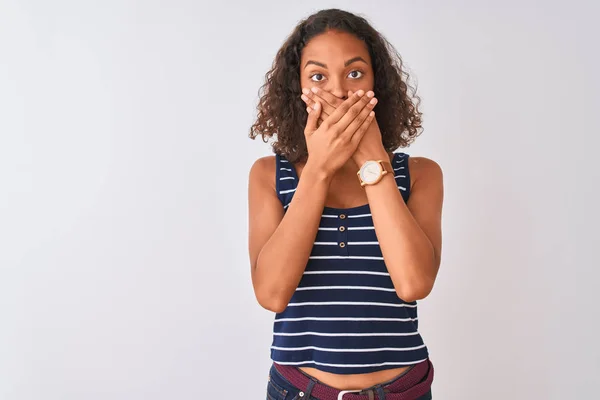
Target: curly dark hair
282,113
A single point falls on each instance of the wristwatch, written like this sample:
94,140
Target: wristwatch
372,171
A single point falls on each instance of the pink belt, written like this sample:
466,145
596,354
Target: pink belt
414,383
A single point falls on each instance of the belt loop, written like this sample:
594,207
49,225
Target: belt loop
380,393
308,391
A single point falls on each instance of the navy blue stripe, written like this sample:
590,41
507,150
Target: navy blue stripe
349,342
343,326
344,295
348,311
316,280
408,356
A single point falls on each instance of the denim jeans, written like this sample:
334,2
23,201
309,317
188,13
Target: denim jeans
279,388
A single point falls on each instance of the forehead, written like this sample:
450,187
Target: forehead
334,46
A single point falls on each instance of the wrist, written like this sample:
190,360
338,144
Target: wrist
316,174
361,158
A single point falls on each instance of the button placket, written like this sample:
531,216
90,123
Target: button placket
343,235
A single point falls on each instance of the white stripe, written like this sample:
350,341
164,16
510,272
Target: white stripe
347,272
400,176
345,287
345,257
359,216
399,168
402,188
328,229
400,161
287,191
349,303
286,178
326,243
345,319
283,160
285,169
287,205
349,365
329,216
334,350
361,228
345,334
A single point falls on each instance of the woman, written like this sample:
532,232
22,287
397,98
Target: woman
344,234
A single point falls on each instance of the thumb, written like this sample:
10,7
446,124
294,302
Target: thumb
313,118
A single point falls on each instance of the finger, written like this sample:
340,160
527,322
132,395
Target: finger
341,111
357,122
353,111
313,116
309,96
321,118
362,129
310,103
332,101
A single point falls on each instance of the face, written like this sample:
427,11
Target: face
336,62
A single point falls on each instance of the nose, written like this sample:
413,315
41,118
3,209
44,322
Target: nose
337,89
339,92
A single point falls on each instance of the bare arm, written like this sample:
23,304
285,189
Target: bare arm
410,234
280,244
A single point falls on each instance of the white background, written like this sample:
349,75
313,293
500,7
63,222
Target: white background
124,162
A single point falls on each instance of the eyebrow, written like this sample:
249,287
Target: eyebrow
350,61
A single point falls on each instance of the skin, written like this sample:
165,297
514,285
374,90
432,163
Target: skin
409,233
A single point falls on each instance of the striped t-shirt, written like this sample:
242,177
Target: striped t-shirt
345,316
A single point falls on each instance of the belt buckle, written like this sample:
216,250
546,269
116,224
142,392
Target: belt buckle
343,392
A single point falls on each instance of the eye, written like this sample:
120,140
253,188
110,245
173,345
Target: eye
356,70
312,76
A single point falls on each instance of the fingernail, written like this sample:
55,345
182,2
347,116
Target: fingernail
316,105
370,94
305,90
314,90
373,101
360,92
304,98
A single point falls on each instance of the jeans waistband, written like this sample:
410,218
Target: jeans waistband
410,385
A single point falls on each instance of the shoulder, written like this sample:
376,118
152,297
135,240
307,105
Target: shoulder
263,164
263,171
424,170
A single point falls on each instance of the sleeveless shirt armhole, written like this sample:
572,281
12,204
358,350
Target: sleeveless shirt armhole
278,179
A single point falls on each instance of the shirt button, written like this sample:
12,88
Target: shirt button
342,229
343,216
342,244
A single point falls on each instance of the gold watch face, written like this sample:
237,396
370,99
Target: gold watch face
370,172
